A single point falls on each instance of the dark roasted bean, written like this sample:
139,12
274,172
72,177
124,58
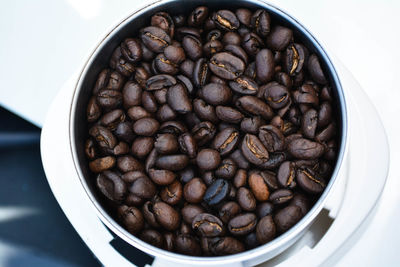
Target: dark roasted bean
208,225
217,192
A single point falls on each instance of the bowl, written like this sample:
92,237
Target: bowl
99,59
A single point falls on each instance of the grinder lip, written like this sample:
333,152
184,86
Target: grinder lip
271,248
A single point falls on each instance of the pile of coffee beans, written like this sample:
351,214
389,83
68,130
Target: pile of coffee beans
211,133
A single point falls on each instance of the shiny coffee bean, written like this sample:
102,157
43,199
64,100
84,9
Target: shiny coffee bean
240,160
265,65
264,209
253,150
190,211
309,181
226,20
272,138
294,58
244,85
155,39
216,94
228,114
162,177
254,106
208,225
242,224
143,187
194,190
166,216
286,174
172,162
226,65
226,140
309,123
204,110
261,22
109,99
217,192
160,81
302,148
277,95
209,177
266,229
287,217
281,196
93,110
137,112
279,38
208,159
246,199
228,211
131,218
203,132
172,194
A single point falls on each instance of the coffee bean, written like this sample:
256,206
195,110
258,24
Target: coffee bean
242,224
155,38
287,217
186,174
265,65
244,85
226,65
240,160
261,21
111,186
226,140
173,127
227,169
277,95
272,138
172,194
217,192
204,111
160,81
146,126
254,106
143,187
225,245
192,46
226,20
265,230
102,164
246,199
258,187
166,216
190,211
149,102
208,159
231,38
187,244
216,94
166,113
194,190
162,177
281,196
137,112
131,218
109,99
142,146
305,149
253,150
152,237
309,181
209,177
309,123
198,16
300,201
286,174
294,58
228,211
208,225
172,162
264,209
279,38
228,114
93,111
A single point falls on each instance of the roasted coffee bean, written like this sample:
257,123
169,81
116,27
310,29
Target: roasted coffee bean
286,174
212,47
201,72
208,159
137,112
277,95
102,164
209,177
279,38
300,201
152,237
91,150
224,245
281,196
226,20
178,99
192,46
244,16
251,124
124,132
132,176
226,140
198,16
149,102
244,85
165,113
253,150
208,225
172,162
217,192
131,218
270,179
252,44
265,66
266,229
121,149
242,224
194,190
131,50
102,80
246,199
146,126
172,194
173,127
186,175
284,79
104,137
203,132
306,94
216,94
163,65
109,99
309,181
111,186
309,123
169,241
131,94
228,211
275,159
164,21
272,138
237,51
155,39
93,110
240,160
255,106
162,177
324,114
261,21
315,70
142,146
143,187
160,81
294,58
231,38
327,134
302,148
227,169
187,244
204,111
240,178
258,186
264,209
287,217
226,65
166,216
228,114
190,211
187,145
149,215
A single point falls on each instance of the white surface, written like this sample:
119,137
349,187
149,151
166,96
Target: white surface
44,42
367,146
